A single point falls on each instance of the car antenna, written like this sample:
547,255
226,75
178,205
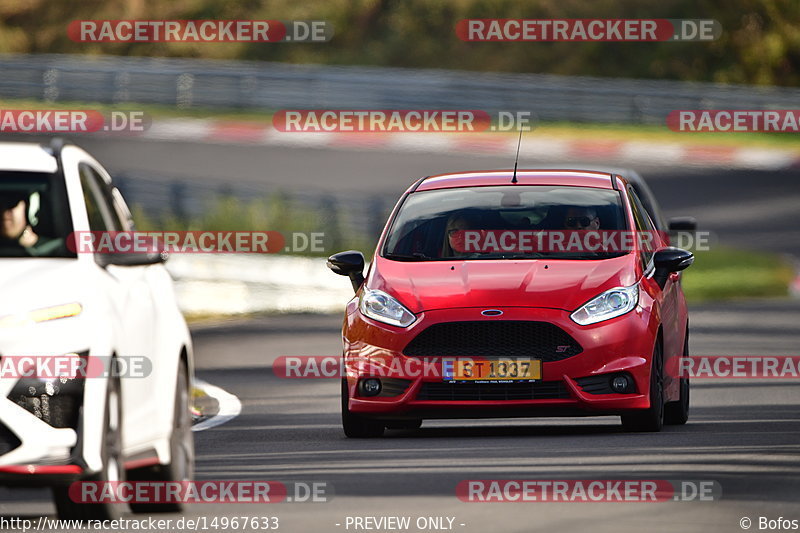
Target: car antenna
516,159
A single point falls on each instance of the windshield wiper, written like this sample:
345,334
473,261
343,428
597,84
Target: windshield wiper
589,257
415,256
534,255
531,255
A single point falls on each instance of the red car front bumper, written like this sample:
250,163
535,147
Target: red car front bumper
620,345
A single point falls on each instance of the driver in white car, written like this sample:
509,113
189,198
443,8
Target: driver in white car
15,229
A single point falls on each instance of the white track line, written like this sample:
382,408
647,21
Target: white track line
229,405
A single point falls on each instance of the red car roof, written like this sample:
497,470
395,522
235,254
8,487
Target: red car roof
572,178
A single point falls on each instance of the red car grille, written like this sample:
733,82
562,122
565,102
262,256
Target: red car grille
494,339
542,390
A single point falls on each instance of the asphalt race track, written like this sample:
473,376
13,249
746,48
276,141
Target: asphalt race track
743,434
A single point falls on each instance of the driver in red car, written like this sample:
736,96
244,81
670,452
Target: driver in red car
456,223
581,218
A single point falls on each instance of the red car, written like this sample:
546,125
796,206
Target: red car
463,313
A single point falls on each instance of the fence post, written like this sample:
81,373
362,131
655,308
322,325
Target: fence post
121,82
50,79
184,86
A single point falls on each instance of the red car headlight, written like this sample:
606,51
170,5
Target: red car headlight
384,308
610,304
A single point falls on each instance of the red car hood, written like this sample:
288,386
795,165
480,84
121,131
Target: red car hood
557,284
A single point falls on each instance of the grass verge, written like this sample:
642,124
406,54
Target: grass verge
733,274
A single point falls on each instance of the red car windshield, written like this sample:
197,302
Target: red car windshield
508,222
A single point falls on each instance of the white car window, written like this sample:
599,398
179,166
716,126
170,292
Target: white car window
102,216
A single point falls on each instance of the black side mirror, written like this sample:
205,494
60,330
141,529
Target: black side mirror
148,251
682,224
131,259
669,260
350,264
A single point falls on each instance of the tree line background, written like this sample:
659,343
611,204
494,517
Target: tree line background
760,43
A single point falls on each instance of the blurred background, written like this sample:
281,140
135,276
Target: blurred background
210,158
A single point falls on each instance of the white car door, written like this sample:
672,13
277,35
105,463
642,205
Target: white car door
134,304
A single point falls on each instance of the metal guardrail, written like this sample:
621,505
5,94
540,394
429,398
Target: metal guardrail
187,83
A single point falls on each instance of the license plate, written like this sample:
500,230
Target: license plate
492,370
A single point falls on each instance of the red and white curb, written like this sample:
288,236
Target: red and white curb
229,406
535,147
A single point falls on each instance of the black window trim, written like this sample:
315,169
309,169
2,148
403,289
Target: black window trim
633,198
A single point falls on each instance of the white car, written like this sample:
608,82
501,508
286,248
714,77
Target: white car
116,307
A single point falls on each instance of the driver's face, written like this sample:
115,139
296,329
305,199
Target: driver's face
454,236
454,226
13,220
581,219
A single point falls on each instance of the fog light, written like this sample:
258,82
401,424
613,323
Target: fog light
620,384
371,387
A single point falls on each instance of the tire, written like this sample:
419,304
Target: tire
677,413
355,426
112,470
181,445
404,424
652,418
